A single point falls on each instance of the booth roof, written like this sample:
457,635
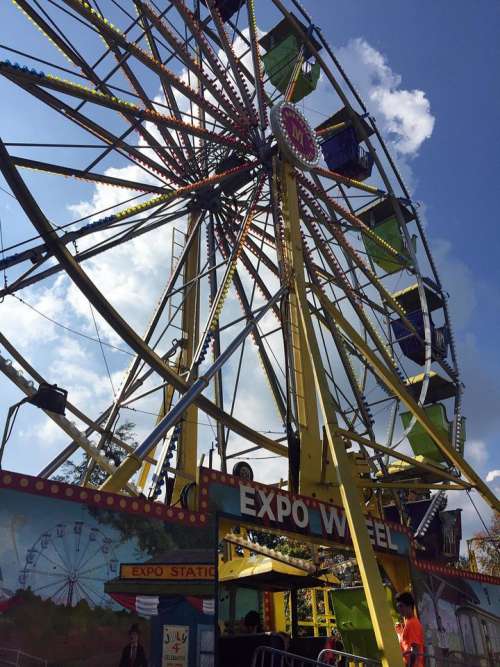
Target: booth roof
265,573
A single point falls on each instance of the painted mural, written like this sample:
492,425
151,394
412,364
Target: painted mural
77,577
460,613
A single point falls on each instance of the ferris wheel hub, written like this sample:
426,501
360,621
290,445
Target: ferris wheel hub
295,136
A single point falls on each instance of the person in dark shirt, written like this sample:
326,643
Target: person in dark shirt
251,622
133,655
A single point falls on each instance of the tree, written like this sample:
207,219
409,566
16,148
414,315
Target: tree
485,547
74,473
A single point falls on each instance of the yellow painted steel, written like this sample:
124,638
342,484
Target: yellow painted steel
393,383
279,622
307,408
168,393
349,493
398,571
187,458
429,467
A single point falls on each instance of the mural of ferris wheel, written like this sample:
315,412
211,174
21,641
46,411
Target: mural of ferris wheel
69,563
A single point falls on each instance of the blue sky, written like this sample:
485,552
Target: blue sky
449,52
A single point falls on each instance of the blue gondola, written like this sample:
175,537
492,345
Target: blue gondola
345,155
411,346
227,7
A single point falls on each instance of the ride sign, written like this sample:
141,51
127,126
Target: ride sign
295,136
275,508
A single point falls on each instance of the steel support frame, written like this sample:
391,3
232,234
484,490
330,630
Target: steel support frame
394,384
187,452
305,400
305,341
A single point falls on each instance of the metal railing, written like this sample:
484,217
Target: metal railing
352,659
266,656
12,656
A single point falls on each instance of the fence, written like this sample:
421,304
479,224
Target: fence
266,656
12,656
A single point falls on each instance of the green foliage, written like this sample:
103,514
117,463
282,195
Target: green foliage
486,547
74,473
72,636
281,543
154,537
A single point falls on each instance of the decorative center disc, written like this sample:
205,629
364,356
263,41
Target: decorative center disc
294,135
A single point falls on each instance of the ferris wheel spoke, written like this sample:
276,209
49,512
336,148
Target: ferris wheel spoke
326,322
349,217
46,573
142,161
277,390
357,307
53,562
189,61
231,58
115,219
350,182
76,59
213,61
183,138
108,244
82,555
164,300
175,156
218,302
33,83
354,255
251,270
61,170
86,572
51,584
89,593
91,557
262,101
148,60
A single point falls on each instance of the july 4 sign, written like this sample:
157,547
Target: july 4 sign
175,645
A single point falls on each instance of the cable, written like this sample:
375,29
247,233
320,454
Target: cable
73,331
102,352
256,458
478,513
3,257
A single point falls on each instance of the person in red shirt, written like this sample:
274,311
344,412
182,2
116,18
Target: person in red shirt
410,632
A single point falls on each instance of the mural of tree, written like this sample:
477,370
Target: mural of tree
485,548
76,473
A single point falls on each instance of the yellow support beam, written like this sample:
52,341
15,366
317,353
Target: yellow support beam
395,385
429,467
413,485
353,505
168,393
187,458
307,410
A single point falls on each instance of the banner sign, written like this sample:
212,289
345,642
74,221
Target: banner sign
272,507
175,645
168,572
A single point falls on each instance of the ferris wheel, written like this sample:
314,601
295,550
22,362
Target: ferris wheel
298,268
69,563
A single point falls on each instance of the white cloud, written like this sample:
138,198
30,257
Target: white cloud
492,475
477,452
403,116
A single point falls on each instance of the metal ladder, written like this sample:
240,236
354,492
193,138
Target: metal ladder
178,243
